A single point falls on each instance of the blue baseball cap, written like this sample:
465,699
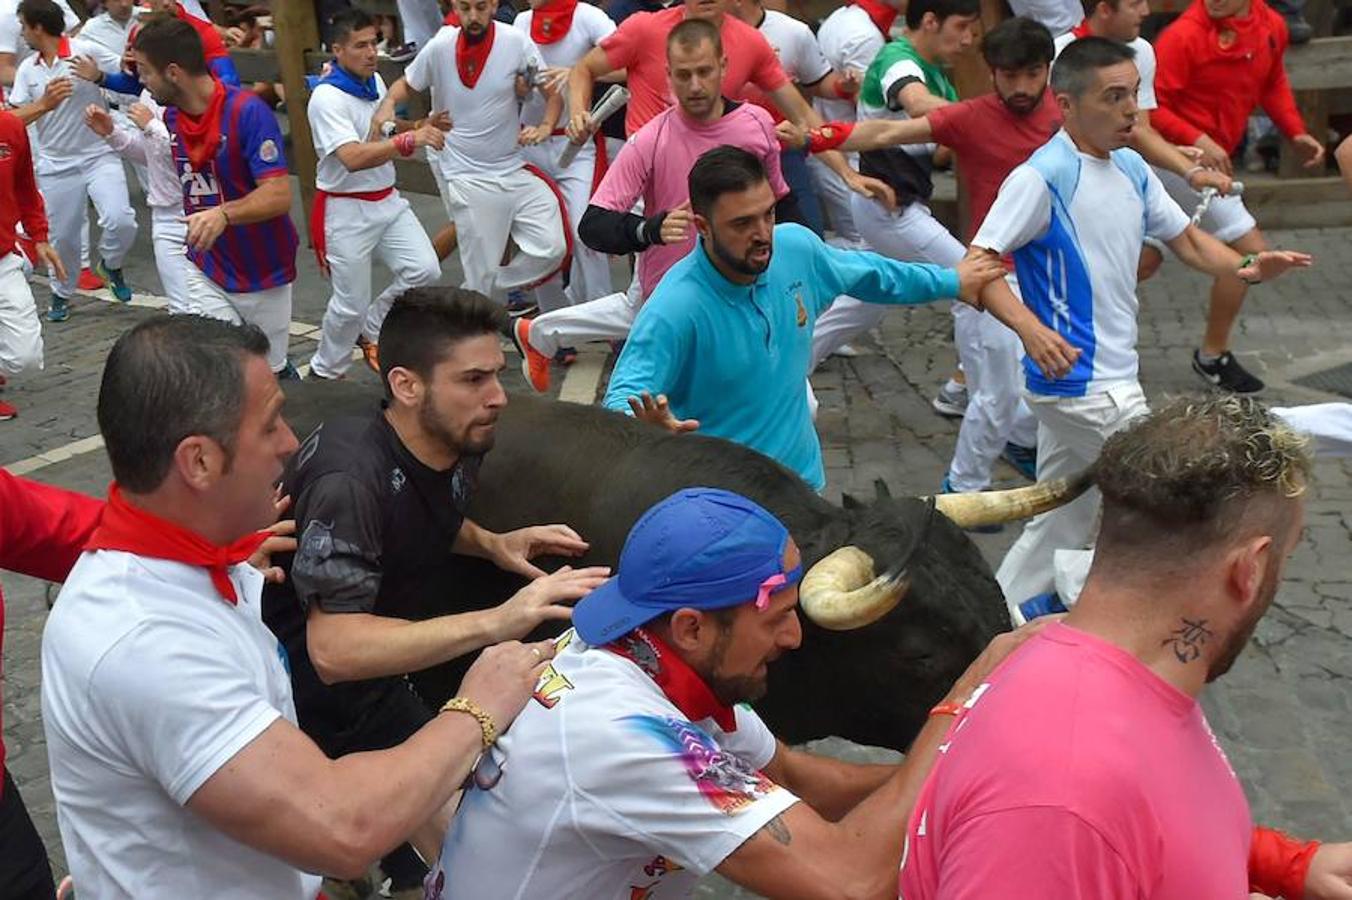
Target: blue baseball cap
701,548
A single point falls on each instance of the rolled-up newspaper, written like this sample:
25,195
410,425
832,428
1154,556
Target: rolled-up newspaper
610,103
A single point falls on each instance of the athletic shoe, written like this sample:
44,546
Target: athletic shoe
947,488
1226,373
566,356
1024,459
116,283
59,311
1047,604
520,303
88,281
404,52
315,376
951,400
534,364
7,411
846,351
288,372
370,351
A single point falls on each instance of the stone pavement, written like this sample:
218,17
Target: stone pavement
1281,714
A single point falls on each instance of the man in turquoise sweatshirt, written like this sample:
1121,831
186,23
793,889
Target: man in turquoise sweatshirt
724,342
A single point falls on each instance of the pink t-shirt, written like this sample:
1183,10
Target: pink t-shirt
677,141
1079,773
640,46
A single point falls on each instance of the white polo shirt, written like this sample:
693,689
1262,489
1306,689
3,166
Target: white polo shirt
590,25
607,792
1145,65
66,141
337,118
849,40
485,120
796,46
151,682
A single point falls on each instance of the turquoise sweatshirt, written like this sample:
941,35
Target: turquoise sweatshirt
736,357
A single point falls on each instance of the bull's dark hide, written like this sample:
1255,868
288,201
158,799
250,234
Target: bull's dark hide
598,471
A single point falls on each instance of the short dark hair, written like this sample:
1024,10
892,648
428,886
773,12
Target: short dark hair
167,379
165,40
1193,475
690,33
1091,6
942,9
1018,43
346,21
720,171
425,322
43,14
1080,58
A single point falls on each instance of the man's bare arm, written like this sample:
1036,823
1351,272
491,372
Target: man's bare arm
272,198
831,787
917,100
1158,151
581,85
1204,253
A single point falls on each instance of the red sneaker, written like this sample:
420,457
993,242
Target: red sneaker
7,411
534,364
89,281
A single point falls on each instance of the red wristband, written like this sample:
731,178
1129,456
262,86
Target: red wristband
828,137
1279,864
404,143
946,709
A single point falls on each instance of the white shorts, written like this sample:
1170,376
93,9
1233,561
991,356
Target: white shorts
1226,219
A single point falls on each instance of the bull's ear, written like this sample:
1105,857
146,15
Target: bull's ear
884,492
850,501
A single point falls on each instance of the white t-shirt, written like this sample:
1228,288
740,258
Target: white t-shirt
1057,15
151,682
607,792
338,118
66,141
796,47
486,119
1145,65
104,29
589,26
11,33
1088,293
849,40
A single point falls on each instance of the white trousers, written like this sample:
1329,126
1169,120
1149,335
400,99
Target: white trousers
488,211
169,235
589,276
996,414
835,199
607,318
1328,425
270,310
20,329
354,230
103,181
1071,432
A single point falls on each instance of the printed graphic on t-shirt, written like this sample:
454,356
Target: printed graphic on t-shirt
725,780
552,684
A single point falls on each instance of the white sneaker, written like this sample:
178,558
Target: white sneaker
951,400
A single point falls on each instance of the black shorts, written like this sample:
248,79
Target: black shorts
25,873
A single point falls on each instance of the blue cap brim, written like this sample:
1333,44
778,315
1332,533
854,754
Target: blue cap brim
606,614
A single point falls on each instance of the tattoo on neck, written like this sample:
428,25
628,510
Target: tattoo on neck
1187,639
778,829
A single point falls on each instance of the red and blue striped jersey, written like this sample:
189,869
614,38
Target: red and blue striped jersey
246,258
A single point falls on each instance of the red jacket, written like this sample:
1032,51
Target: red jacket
42,531
19,197
1204,88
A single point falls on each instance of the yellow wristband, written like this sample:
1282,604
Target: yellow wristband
469,707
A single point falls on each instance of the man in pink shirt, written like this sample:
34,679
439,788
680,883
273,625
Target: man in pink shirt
654,166
1084,766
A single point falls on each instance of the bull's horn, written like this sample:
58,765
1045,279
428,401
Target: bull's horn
842,592
978,508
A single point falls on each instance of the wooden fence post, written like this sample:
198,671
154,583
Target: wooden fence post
297,30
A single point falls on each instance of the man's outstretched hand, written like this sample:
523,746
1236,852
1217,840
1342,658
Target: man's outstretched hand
514,550
658,412
1272,263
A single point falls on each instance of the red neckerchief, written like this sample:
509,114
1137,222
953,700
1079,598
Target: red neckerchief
212,45
201,135
470,59
131,530
549,23
682,685
1082,30
882,15
63,48
452,18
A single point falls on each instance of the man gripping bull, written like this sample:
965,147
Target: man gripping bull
380,509
724,343
639,767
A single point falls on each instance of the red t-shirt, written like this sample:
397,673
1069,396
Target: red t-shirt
1079,773
42,532
990,141
640,46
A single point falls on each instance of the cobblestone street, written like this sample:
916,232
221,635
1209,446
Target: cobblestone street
1282,714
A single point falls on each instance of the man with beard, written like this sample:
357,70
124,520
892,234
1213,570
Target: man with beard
1109,782
723,343
380,510
640,767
